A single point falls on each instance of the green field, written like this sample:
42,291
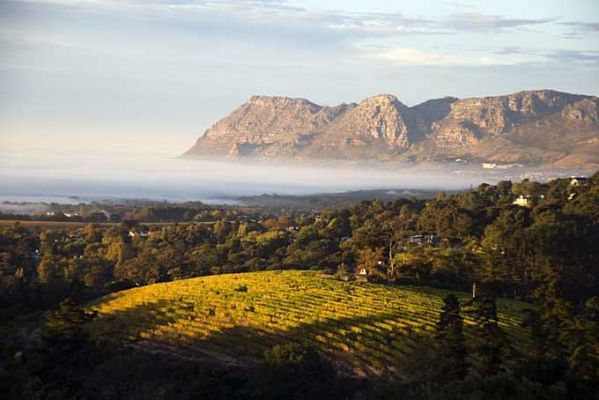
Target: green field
366,329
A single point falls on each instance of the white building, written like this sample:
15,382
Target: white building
522,201
578,181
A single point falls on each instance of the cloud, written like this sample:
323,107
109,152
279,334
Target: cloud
572,56
255,29
408,56
582,26
479,22
355,23
381,23
481,57
561,55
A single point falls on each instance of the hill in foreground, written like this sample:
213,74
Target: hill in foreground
365,329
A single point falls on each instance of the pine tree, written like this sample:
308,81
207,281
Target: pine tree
490,337
450,341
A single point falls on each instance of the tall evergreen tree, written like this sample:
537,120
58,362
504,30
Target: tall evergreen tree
490,337
450,341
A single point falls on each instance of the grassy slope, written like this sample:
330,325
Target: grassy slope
365,328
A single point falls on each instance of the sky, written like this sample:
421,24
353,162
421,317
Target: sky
121,76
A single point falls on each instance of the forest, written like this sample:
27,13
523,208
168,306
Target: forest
528,241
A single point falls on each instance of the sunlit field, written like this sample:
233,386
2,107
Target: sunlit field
365,328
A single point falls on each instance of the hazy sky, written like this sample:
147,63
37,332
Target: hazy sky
135,75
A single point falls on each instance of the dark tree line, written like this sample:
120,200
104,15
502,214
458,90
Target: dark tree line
547,250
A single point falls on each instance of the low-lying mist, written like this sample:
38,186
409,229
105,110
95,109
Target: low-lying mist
95,177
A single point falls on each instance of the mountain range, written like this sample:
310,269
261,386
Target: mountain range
536,127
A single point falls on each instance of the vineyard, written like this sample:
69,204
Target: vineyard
364,328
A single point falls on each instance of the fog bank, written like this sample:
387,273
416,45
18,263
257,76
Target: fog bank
97,177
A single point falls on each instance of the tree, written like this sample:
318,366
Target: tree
98,274
141,270
222,229
393,247
447,220
504,187
66,351
370,234
51,276
370,260
294,371
450,341
338,228
490,337
585,360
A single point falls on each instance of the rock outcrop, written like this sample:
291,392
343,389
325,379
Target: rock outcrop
537,126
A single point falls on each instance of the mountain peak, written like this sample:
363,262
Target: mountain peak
382,99
279,101
527,127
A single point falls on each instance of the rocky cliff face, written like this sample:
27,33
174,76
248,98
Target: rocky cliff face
585,110
381,127
495,115
377,126
267,127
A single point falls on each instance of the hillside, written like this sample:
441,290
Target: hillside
539,127
365,328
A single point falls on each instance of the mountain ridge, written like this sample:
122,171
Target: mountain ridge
529,127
